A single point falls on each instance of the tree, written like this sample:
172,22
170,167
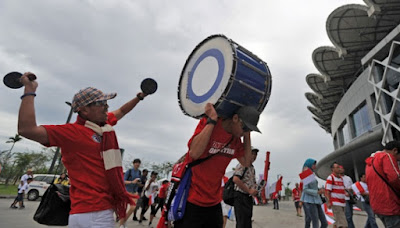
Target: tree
6,157
7,154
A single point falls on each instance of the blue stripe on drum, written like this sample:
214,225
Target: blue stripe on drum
217,54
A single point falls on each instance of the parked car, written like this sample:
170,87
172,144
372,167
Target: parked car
39,185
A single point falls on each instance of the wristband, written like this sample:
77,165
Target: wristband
140,97
211,121
28,94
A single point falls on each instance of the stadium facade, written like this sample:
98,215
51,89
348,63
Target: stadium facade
355,96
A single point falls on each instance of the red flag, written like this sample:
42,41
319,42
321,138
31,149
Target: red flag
278,186
266,168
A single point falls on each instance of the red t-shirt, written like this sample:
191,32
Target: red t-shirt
296,194
163,191
80,148
205,189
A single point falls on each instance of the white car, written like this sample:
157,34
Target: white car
39,185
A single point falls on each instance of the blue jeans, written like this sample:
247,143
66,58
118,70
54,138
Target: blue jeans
390,221
371,223
349,214
313,212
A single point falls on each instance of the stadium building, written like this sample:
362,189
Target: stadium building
355,94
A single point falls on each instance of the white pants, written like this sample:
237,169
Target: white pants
97,219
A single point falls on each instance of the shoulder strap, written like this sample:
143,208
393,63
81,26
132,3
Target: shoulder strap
245,169
373,166
198,161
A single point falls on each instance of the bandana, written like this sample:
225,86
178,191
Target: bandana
111,155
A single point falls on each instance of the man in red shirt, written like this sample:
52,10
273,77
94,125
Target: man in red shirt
296,198
222,139
383,180
90,153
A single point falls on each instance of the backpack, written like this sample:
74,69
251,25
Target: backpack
228,195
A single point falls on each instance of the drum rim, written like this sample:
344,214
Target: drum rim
234,65
230,83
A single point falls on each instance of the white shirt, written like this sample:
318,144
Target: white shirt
153,187
23,188
25,177
347,182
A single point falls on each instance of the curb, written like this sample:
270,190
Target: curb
7,196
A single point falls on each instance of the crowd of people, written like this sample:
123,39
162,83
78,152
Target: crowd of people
91,154
378,189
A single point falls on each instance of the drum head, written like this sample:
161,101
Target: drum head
12,80
205,75
148,86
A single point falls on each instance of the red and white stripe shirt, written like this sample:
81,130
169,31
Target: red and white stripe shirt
335,186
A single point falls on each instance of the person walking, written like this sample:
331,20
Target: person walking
296,193
360,188
310,196
22,188
335,195
90,152
348,182
143,180
383,180
245,188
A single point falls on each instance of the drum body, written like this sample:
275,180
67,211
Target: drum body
221,72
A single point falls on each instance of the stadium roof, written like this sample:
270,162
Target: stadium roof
353,30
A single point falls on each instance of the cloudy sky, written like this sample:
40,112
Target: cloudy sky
113,45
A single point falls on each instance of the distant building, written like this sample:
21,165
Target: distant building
356,95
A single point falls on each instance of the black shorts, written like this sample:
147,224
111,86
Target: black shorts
297,204
197,217
20,197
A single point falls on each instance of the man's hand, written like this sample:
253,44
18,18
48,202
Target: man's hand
253,192
209,110
30,86
328,204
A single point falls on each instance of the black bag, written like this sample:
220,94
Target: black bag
352,199
323,199
366,199
54,207
228,195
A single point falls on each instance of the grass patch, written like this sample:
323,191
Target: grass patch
8,190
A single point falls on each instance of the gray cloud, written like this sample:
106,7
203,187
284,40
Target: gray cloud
113,45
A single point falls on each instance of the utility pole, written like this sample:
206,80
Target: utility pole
58,148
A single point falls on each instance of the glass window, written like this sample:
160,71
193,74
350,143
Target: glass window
49,179
346,133
376,115
343,134
335,143
38,178
361,121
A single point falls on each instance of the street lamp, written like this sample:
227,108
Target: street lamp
58,148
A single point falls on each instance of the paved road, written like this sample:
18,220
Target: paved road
264,217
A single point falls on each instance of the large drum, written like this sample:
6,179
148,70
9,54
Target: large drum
221,72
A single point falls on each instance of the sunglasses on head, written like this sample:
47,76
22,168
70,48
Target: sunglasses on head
98,103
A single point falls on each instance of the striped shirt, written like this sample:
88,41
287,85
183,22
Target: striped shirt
335,186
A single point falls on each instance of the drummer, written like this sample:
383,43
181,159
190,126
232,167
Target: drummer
214,135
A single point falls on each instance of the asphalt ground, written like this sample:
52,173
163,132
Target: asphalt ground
263,216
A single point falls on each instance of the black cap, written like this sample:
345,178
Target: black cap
255,150
249,115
